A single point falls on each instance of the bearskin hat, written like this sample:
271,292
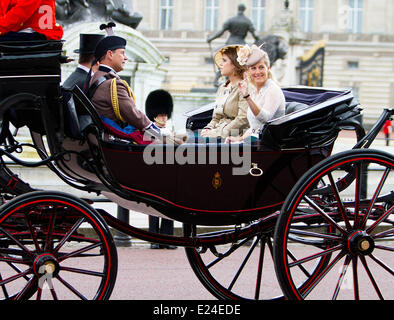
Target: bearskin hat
158,102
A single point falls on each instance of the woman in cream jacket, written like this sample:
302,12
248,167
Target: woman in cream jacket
229,116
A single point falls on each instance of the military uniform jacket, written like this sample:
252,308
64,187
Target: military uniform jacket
102,100
229,115
16,15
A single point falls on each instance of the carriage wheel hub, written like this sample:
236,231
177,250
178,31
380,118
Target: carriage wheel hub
361,243
46,264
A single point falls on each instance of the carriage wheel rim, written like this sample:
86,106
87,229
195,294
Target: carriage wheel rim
356,243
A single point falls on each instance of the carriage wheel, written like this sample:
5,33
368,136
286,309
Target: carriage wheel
350,223
241,270
54,246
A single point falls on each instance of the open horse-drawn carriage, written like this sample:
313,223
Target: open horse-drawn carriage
282,205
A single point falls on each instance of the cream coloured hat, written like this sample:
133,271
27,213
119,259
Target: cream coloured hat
218,57
251,55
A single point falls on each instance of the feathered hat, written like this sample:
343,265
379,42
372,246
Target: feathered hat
110,42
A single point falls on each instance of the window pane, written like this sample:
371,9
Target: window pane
258,13
306,15
166,7
355,16
207,19
163,19
211,14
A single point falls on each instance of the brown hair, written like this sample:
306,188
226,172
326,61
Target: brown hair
85,58
232,54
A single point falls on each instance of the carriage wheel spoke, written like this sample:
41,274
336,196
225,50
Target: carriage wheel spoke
322,274
29,284
244,263
228,252
383,234
382,264
315,256
48,240
82,271
315,234
32,234
375,196
52,291
302,268
384,247
341,277
356,291
39,292
71,288
68,234
375,285
380,220
15,277
339,201
79,251
17,242
324,215
260,268
10,261
357,194
4,288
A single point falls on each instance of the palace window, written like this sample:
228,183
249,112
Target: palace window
352,65
166,11
306,15
258,14
355,16
211,14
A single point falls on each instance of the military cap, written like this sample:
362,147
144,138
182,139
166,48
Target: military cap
111,42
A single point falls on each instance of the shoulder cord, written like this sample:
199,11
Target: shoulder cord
115,100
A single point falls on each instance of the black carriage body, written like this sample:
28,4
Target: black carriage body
30,74
212,193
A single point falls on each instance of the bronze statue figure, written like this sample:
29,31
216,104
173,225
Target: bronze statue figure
238,26
69,11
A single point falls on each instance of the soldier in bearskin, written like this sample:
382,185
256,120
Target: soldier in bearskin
158,108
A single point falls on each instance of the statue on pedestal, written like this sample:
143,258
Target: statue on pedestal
239,26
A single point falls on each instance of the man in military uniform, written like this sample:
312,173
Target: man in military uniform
24,20
87,46
112,96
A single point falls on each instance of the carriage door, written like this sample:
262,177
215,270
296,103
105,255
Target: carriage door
212,177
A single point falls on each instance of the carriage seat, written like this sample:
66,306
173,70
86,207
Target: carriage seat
80,113
294,106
